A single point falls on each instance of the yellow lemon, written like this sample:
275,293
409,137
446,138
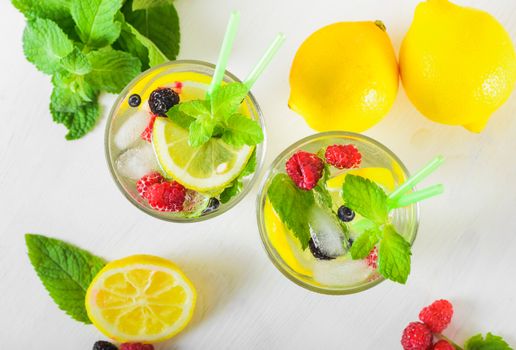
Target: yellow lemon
344,77
140,298
457,64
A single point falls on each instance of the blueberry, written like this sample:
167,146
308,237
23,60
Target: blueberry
345,214
213,205
134,100
162,99
104,345
317,252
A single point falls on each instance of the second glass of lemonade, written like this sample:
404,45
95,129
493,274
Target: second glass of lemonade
324,264
143,148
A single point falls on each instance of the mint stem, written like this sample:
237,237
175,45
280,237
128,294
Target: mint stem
443,337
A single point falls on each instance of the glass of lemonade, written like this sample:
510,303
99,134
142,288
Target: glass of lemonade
143,148
325,264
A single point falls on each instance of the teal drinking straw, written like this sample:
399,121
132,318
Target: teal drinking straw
417,196
264,61
225,50
415,179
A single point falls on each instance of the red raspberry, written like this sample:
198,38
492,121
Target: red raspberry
178,87
372,259
437,316
343,156
147,133
148,180
443,345
166,196
416,336
305,169
136,346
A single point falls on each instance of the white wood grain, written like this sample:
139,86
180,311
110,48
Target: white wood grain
464,250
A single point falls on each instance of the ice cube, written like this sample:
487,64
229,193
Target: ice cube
327,233
130,131
195,202
341,272
137,161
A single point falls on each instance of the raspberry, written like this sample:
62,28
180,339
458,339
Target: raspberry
437,316
162,99
147,133
443,345
148,180
305,169
136,346
166,196
416,336
343,156
178,87
372,258
104,345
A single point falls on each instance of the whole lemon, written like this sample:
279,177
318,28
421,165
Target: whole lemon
344,77
457,64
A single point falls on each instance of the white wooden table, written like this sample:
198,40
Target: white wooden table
464,250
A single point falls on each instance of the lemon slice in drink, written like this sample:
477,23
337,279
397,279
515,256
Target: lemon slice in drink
206,168
140,298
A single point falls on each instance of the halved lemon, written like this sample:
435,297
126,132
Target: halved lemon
140,298
206,168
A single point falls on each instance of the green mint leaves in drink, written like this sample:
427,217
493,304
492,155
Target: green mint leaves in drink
237,185
218,116
370,200
489,342
66,272
95,46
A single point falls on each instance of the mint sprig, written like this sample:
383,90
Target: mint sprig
91,46
369,200
218,117
66,272
237,184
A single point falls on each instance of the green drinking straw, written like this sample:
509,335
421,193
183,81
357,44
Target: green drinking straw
264,61
225,50
417,196
415,179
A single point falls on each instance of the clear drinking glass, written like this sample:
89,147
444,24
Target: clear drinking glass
302,267
194,76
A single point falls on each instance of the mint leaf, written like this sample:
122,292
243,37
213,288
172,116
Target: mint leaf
394,255
231,191
111,70
366,198
45,44
195,109
236,186
66,272
159,23
321,193
143,4
180,118
241,130
226,100
76,63
292,206
141,47
95,20
79,122
70,92
491,342
55,10
363,245
200,131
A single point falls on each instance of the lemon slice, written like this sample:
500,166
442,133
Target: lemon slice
140,298
206,168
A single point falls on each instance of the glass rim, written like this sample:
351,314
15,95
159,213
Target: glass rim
260,148
260,202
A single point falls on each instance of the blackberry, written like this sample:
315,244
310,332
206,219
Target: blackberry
213,204
134,100
345,214
317,252
104,345
162,99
